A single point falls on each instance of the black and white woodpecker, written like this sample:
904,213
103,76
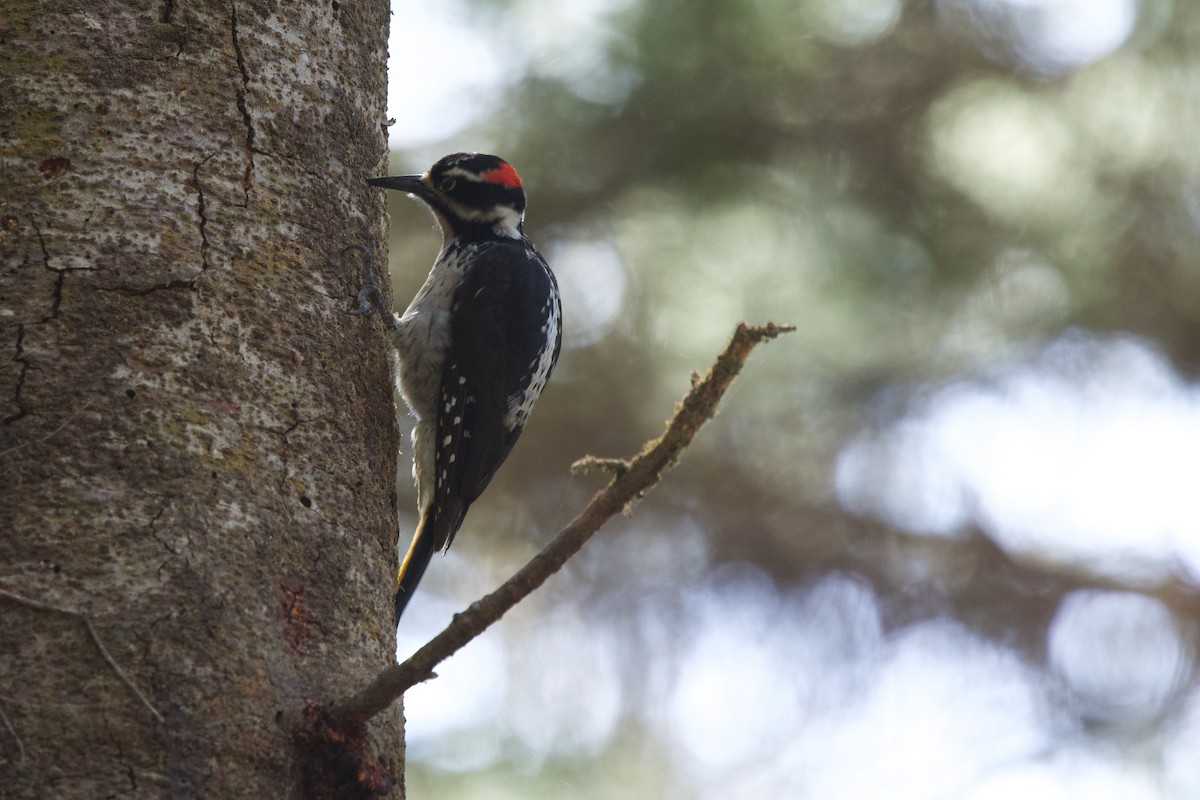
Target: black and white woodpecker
475,347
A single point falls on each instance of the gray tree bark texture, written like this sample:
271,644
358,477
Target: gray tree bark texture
197,443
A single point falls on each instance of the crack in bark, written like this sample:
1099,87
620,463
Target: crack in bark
152,527
43,439
56,294
167,11
121,757
242,93
60,275
202,211
285,466
19,358
283,433
41,242
158,287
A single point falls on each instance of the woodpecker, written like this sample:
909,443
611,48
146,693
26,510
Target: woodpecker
475,347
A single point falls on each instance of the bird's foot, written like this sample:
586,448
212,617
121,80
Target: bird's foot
370,296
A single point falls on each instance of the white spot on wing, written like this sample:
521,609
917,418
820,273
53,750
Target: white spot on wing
520,404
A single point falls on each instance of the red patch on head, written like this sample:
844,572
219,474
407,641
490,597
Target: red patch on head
503,175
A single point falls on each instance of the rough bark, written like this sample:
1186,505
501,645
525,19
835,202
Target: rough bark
197,526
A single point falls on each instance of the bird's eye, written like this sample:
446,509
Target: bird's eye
448,184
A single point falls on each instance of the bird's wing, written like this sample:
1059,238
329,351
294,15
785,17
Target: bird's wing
499,326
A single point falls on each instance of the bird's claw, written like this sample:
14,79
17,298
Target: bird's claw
370,296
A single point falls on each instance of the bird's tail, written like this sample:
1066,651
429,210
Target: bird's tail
415,561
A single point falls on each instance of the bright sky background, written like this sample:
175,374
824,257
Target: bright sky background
1088,453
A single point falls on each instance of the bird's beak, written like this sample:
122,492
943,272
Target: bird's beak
412,184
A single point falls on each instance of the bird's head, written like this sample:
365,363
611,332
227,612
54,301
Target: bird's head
473,195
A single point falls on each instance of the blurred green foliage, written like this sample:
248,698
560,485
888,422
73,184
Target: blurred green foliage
927,189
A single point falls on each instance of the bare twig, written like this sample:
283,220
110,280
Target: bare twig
17,737
91,631
631,480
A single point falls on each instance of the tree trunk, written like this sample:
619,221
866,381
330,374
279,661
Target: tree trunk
197,443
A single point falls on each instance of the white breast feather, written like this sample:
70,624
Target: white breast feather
423,333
